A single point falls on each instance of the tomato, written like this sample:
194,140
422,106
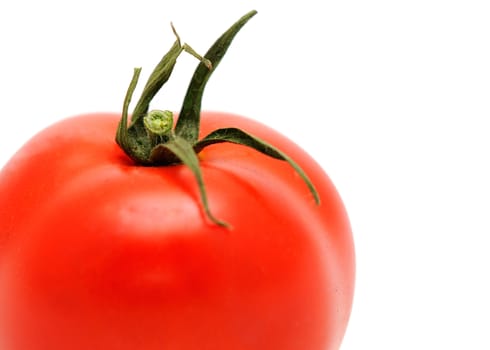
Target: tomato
100,252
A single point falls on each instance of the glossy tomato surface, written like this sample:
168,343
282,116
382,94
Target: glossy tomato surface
99,253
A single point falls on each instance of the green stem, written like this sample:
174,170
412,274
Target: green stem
122,130
159,126
151,138
183,151
190,114
240,137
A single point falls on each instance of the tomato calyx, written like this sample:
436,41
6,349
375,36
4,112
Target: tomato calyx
151,138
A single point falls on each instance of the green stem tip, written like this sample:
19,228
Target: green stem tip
159,122
151,138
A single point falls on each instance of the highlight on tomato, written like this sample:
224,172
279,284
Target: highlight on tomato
160,230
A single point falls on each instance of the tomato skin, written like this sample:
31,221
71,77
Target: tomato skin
99,253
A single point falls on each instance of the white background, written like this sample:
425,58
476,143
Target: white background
391,97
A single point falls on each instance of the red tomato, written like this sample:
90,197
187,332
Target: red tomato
99,253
